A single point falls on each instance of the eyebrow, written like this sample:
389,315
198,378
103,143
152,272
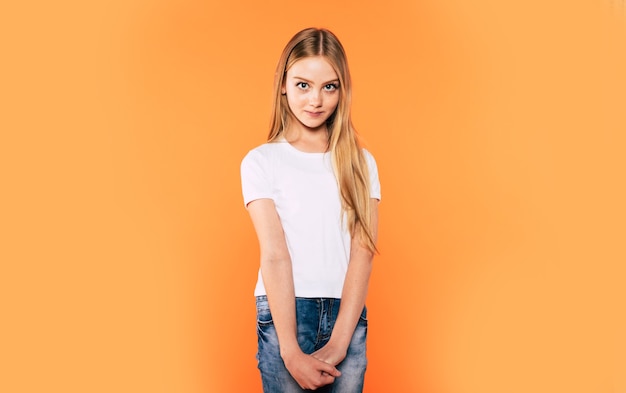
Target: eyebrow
311,82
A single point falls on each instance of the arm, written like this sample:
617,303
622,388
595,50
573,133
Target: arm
353,298
310,373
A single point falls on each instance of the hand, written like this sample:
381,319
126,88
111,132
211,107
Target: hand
309,372
330,353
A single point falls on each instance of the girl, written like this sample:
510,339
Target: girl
312,193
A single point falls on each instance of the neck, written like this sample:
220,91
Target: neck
308,140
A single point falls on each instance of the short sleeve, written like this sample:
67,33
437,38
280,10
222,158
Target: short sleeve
373,173
255,177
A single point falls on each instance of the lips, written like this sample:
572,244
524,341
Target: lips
314,114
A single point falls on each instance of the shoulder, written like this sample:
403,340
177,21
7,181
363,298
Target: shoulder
369,158
261,150
261,153
265,158
367,154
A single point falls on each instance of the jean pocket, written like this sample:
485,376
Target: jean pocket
263,314
363,317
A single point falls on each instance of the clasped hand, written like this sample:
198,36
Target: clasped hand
315,370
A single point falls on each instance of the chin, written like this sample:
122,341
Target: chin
316,127
315,124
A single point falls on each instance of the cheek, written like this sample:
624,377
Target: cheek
291,101
294,98
333,101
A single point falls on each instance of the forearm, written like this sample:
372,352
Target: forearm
278,282
355,286
353,298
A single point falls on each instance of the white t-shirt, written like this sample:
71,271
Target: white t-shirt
305,193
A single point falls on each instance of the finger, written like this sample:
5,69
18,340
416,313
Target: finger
326,379
329,369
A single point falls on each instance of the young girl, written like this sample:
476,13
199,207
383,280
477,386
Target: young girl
312,193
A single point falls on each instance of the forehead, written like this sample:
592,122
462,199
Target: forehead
313,68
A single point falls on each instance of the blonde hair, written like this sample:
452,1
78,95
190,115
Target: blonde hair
349,163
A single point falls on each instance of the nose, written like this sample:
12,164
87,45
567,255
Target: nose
315,99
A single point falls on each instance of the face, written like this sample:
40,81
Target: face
312,89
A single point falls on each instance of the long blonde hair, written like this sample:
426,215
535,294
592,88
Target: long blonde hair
349,164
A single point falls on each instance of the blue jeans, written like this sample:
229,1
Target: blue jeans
315,320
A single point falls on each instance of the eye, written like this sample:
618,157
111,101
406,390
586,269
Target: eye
331,87
302,85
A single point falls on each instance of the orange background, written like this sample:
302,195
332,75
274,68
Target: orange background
128,260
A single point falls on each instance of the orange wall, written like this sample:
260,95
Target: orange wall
128,260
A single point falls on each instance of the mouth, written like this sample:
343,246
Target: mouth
313,114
